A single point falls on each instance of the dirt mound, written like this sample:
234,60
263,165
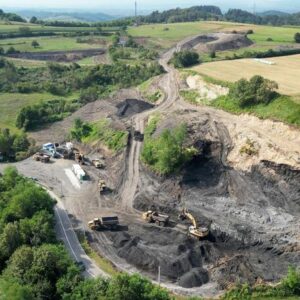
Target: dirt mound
196,277
130,107
217,42
59,56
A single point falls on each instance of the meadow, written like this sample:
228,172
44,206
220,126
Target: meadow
12,103
285,71
53,43
12,27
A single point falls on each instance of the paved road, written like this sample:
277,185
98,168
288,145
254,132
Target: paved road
65,233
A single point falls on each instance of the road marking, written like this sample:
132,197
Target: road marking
64,231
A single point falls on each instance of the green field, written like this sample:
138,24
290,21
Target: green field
11,104
166,35
10,27
54,43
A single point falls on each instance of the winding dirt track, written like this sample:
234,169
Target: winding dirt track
171,90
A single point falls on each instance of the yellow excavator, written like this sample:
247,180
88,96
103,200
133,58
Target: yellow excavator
194,230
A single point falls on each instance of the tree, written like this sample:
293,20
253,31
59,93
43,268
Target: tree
41,268
25,31
35,44
33,20
257,90
135,287
11,290
297,37
185,58
11,50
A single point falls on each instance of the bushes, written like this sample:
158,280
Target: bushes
101,131
185,59
30,117
60,80
289,286
257,90
166,154
13,146
297,37
80,130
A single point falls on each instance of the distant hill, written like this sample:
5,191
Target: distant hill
66,16
10,17
191,14
273,13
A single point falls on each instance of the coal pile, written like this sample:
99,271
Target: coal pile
130,107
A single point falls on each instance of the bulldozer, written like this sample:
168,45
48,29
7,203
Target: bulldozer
110,223
155,217
98,163
194,230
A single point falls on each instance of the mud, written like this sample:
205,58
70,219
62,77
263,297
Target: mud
59,56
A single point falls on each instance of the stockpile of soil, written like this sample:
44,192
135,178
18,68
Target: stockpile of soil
130,107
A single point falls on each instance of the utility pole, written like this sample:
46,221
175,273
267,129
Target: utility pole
135,12
158,279
254,7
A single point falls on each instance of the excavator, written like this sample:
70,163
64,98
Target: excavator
194,230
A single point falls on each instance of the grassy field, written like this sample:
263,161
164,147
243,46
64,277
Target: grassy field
9,27
54,43
285,72
11,104
166,35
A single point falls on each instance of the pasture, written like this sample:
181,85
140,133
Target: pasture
285,71
53,43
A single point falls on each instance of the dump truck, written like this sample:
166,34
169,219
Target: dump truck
155,217
79,158
110,223
98,163
101,185
194,230
39,156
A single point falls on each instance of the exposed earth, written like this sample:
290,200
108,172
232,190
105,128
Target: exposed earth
59,56
252,201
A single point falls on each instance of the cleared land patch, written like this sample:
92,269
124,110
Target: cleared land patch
285,71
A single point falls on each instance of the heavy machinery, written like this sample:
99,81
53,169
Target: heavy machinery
155,217
194,230
101,185
39,156
98,163
79,157
110,223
